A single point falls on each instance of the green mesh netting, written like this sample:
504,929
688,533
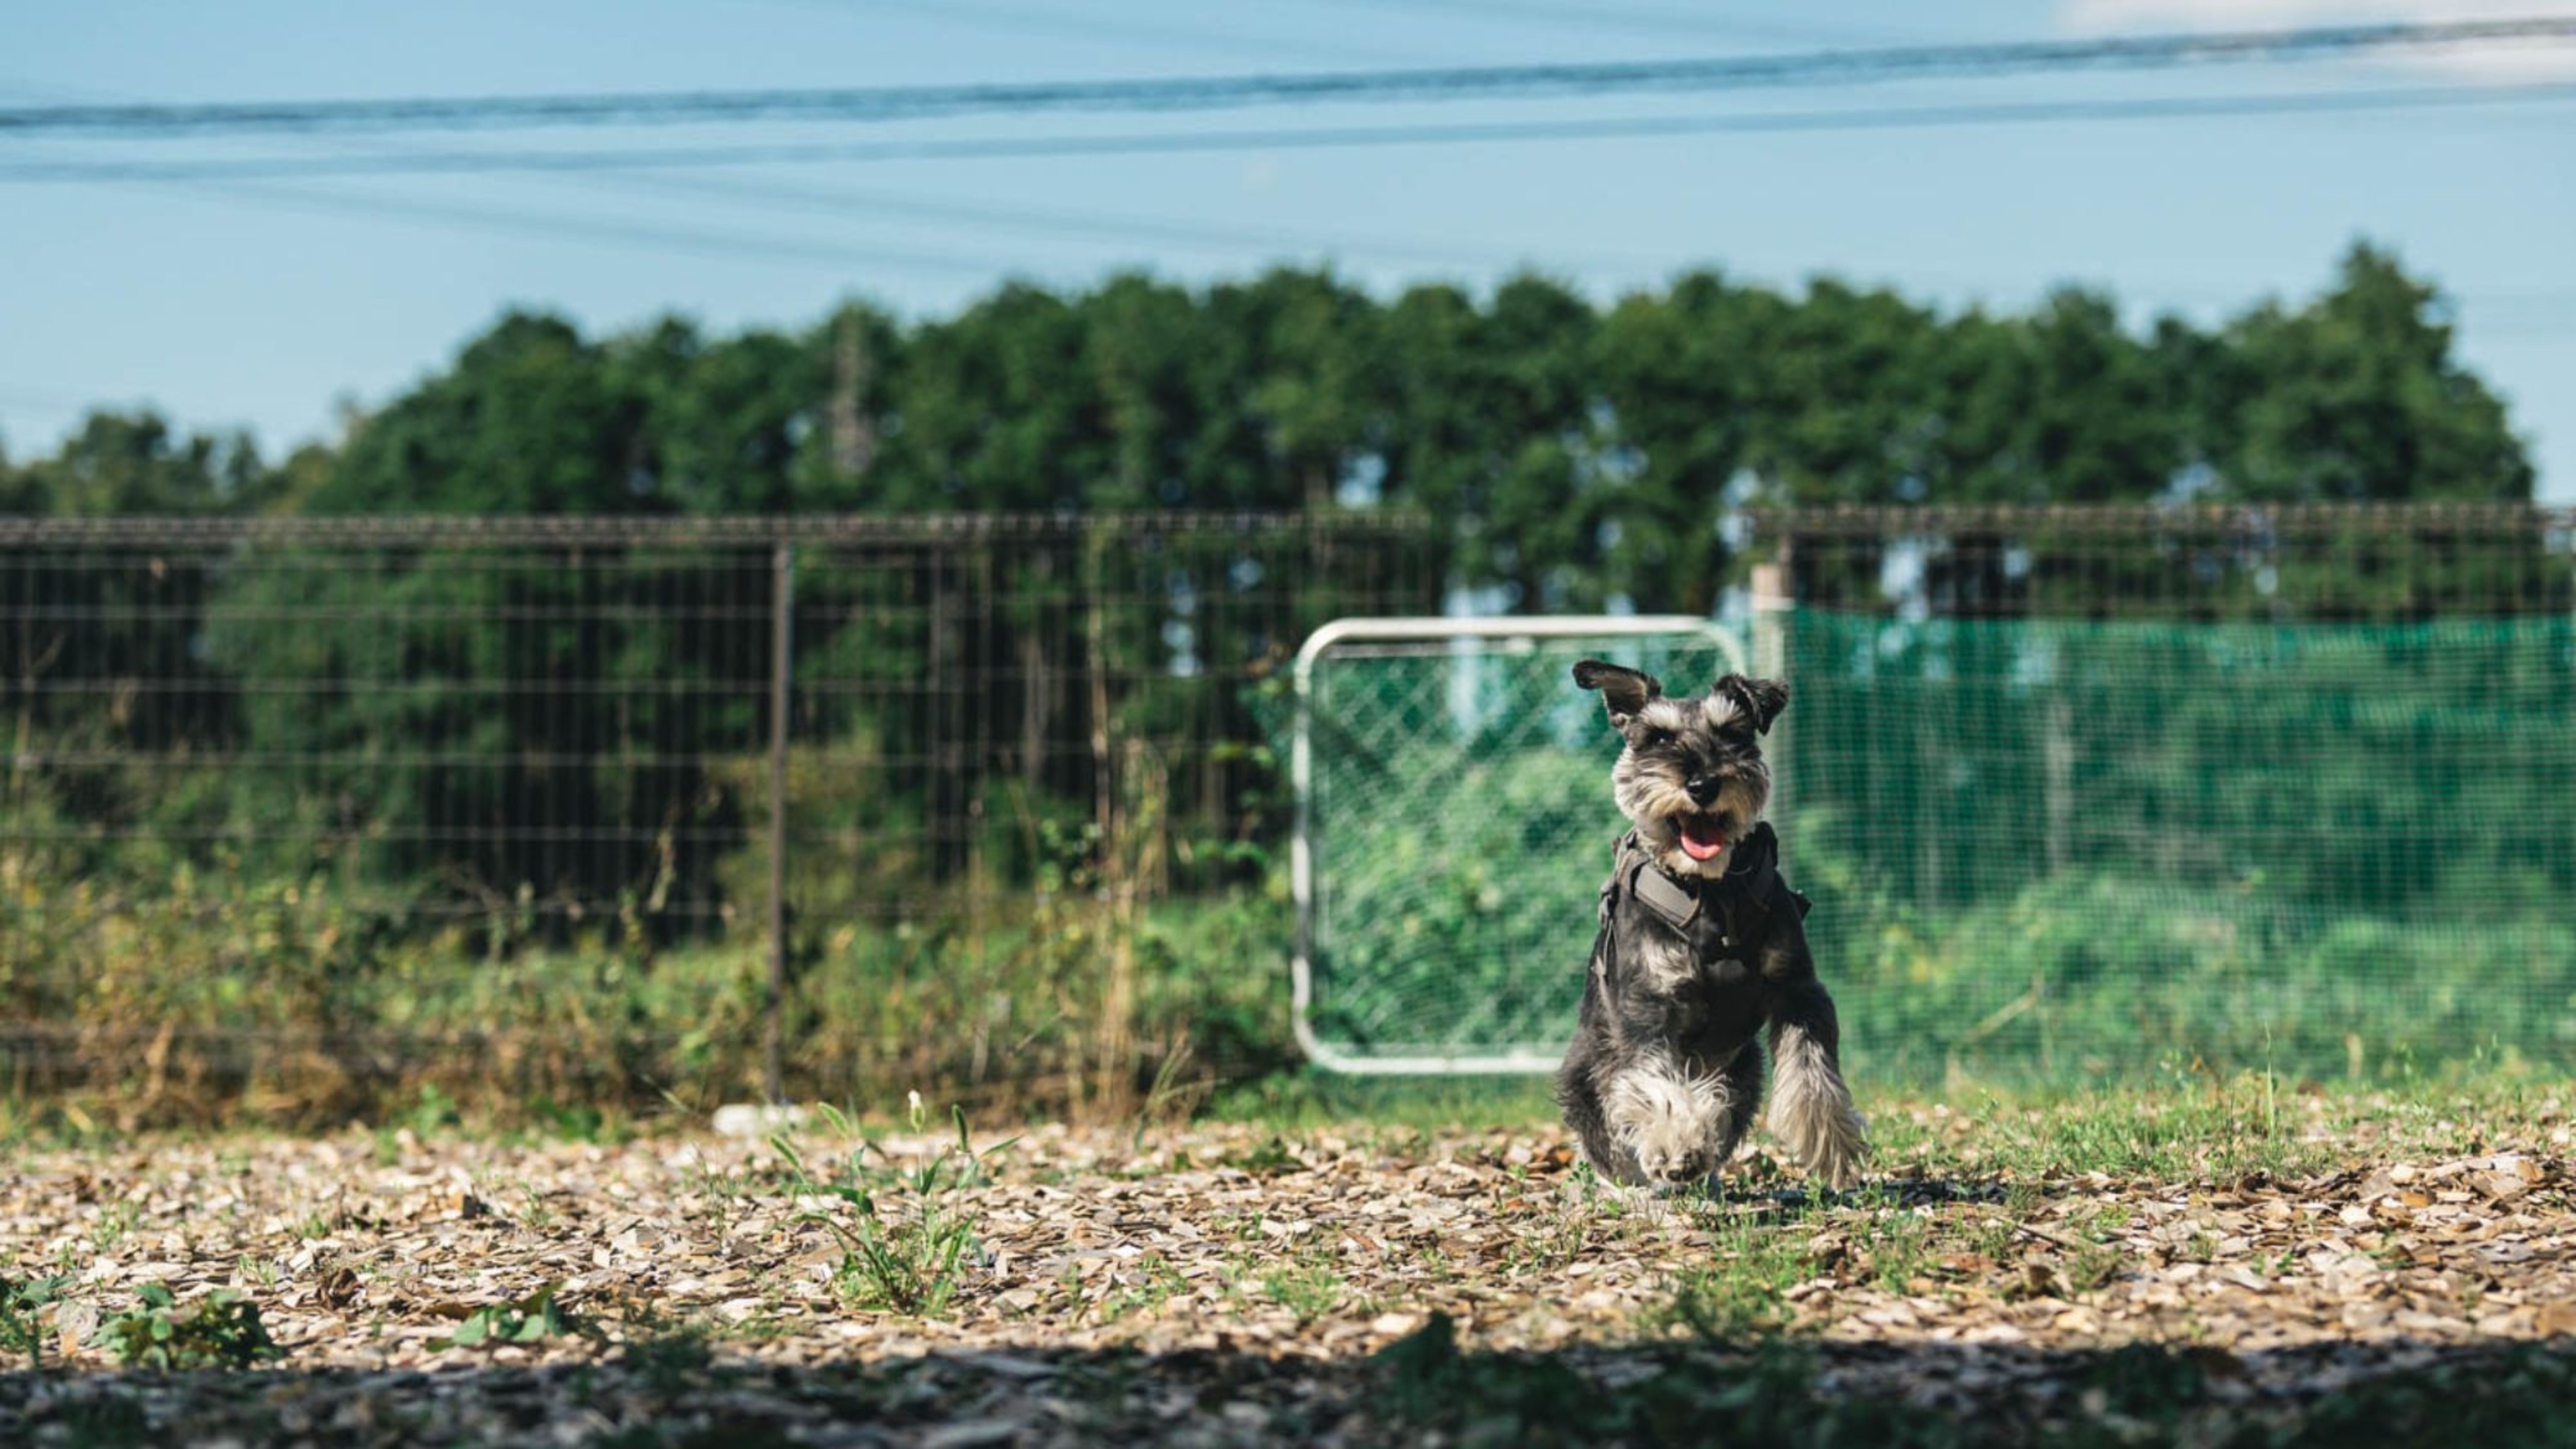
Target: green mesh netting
2057,851
1458,823
2039,851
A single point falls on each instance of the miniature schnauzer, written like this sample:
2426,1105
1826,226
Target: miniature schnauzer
1700,943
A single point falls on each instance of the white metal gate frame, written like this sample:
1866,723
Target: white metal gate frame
1302,852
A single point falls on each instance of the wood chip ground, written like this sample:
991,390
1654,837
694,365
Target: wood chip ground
1231,1283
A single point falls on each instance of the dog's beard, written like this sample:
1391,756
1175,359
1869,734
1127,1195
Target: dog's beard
1686,838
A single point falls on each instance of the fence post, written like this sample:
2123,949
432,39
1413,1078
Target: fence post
1771,604
782,565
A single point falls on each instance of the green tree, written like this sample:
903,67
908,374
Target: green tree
529,420
130,463
1685,386
997,411
2357,397
718,424
1495,423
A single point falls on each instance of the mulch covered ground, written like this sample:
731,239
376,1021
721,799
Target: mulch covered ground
1232,1283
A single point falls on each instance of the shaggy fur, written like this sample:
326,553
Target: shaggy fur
1665,1074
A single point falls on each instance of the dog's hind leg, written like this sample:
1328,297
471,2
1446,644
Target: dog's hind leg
1579,1097
1811,1108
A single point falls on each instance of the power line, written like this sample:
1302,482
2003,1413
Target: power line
1057,224
736,245
1701,25
1328,137
1084,25
690,241
868,206
1198,93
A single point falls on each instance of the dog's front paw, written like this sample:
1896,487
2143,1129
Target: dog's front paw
1830,1139
1673,1169
1813,1114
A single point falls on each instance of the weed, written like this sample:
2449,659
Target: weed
1548,1244
20,1303
533,1208
721,1191
2093,1266
533,1319
1743,1292
1900,1250
1310,1291
1155,1283
220,1330
669,1354
1992,1238
577,1122
1268,1158
115,1222
912,1263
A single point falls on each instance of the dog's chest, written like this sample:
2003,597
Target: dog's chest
1693,980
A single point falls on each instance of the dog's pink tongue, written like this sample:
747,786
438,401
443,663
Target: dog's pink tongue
1702,840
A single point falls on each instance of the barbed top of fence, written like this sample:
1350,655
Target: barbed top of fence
2128,519
402,529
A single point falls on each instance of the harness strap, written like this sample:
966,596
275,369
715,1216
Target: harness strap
1666,897
1754,884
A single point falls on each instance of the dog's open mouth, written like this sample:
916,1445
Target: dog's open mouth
1703,835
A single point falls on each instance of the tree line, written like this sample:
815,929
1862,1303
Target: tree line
1582,451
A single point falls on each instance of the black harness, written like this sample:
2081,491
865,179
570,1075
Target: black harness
1726,917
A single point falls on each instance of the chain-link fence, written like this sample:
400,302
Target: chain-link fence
2078,793
301,813
2089,791
1454,830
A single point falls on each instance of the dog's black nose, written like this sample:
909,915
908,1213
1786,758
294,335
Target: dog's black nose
1702,788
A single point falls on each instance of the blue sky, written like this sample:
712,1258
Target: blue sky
269,303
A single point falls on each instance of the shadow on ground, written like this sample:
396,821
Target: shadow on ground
679,1392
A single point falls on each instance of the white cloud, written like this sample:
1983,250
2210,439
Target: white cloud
2502,62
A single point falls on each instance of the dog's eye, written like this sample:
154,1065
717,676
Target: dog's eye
1658,738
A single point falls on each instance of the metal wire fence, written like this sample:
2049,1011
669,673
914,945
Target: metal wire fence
304,814
2312,563
306,809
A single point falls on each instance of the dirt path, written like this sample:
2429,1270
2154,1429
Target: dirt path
1230,1283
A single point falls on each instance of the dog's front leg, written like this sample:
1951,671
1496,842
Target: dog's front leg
1811,1108
1669,1113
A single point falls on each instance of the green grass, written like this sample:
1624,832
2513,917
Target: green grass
2068,983
1304,1100
1309,1290
1010,1008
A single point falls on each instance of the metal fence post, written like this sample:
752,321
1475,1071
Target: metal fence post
1771,606
782,566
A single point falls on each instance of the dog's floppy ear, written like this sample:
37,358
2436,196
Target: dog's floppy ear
1624,691
1761,699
